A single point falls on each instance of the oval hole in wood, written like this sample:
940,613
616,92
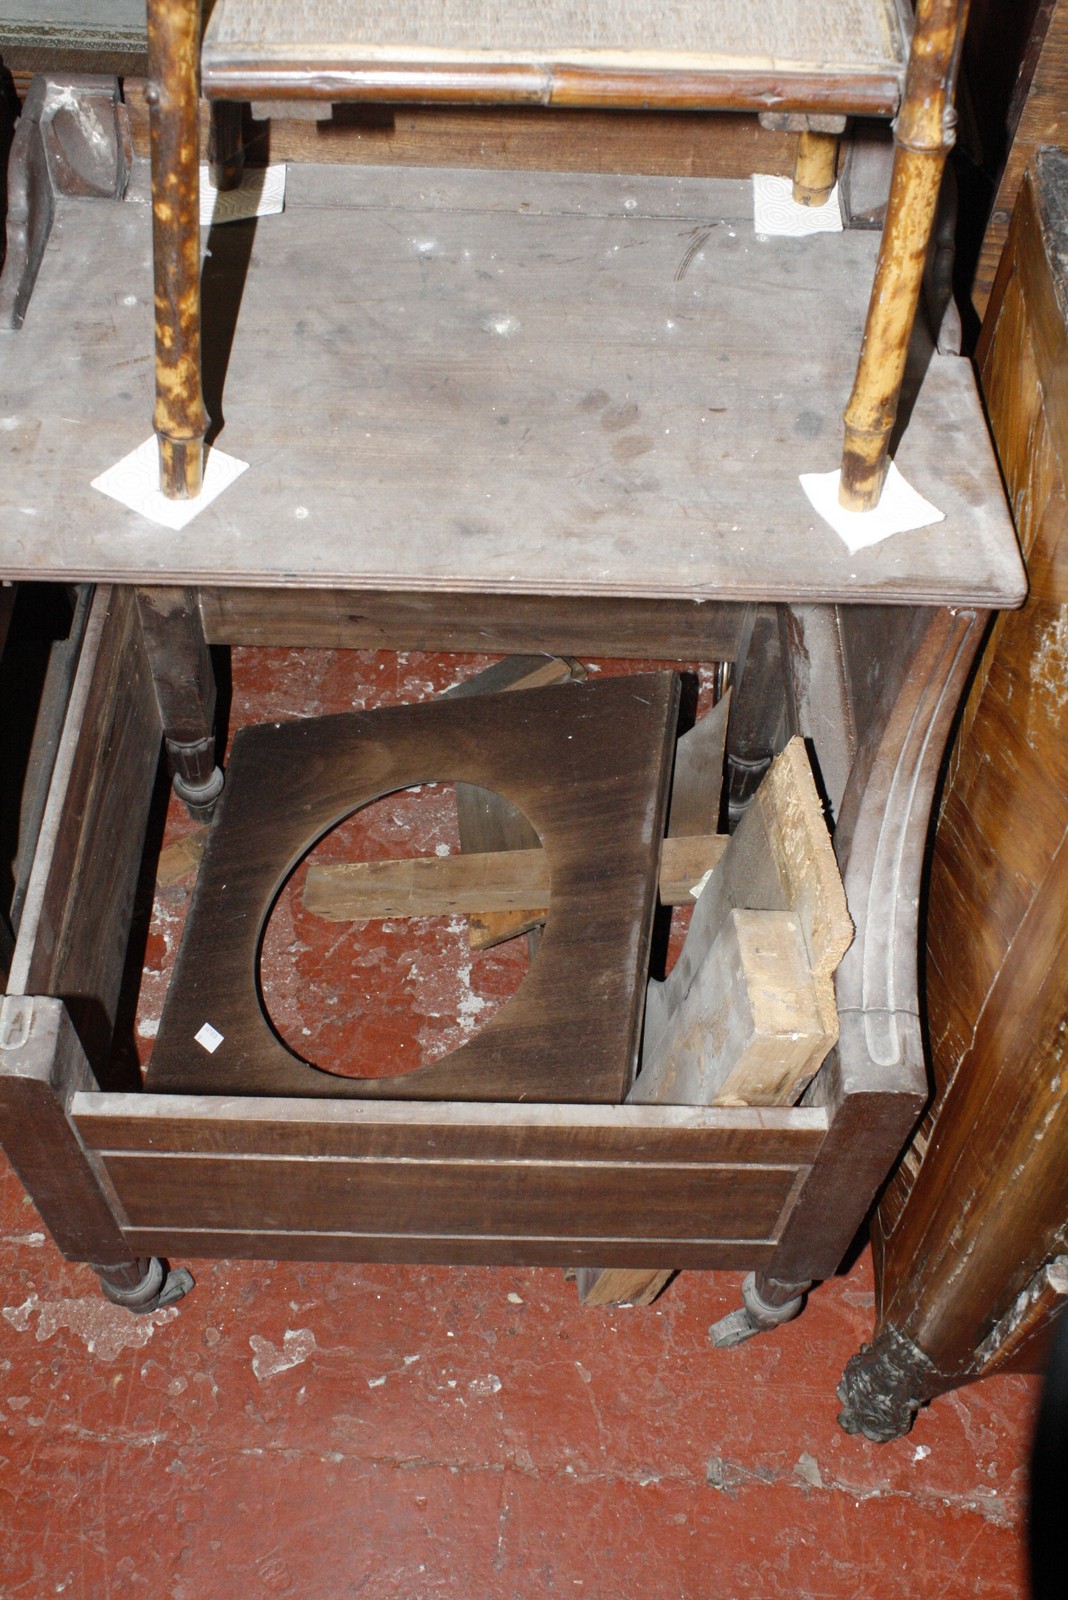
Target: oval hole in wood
382,998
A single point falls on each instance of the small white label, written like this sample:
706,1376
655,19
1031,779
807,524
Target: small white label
209,1038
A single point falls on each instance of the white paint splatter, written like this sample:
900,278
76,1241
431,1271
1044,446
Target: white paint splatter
268,1360
483,1387
504,326
105,1330
375,1383
33,1241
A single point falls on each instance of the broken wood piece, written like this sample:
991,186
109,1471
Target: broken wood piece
496,882
755,1031
780,859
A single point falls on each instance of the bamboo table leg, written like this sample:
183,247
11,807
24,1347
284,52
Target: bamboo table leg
923,137
180,419
815,167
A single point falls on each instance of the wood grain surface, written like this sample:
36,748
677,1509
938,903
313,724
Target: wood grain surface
1039,115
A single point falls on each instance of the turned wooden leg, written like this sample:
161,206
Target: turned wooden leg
766,1303
185,693
923,137
815,168
226,147
180,419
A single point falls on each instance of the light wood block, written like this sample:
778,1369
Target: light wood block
756,1031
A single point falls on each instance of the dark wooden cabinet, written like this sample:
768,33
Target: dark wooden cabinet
971,1231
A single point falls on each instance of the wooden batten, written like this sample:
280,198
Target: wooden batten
486,883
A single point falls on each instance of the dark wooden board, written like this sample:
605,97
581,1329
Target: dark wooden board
588,764
171,1239
534,384
635,630
725,144
77,911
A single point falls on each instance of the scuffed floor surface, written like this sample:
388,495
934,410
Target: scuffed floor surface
415,1433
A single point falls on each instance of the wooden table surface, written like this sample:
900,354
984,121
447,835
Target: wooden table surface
489,382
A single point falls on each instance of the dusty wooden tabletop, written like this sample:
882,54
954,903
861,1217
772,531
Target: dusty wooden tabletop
495,382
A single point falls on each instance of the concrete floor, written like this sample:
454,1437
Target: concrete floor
409,1433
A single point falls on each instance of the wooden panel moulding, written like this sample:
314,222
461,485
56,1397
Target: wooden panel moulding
495,1182
401,1130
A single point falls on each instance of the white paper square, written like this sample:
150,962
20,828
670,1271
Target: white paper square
134,482
261,193
208,1038
775,211
900,510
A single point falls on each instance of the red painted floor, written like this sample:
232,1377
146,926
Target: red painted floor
409,1433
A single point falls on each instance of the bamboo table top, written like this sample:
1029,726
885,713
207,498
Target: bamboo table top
502,383
849,56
